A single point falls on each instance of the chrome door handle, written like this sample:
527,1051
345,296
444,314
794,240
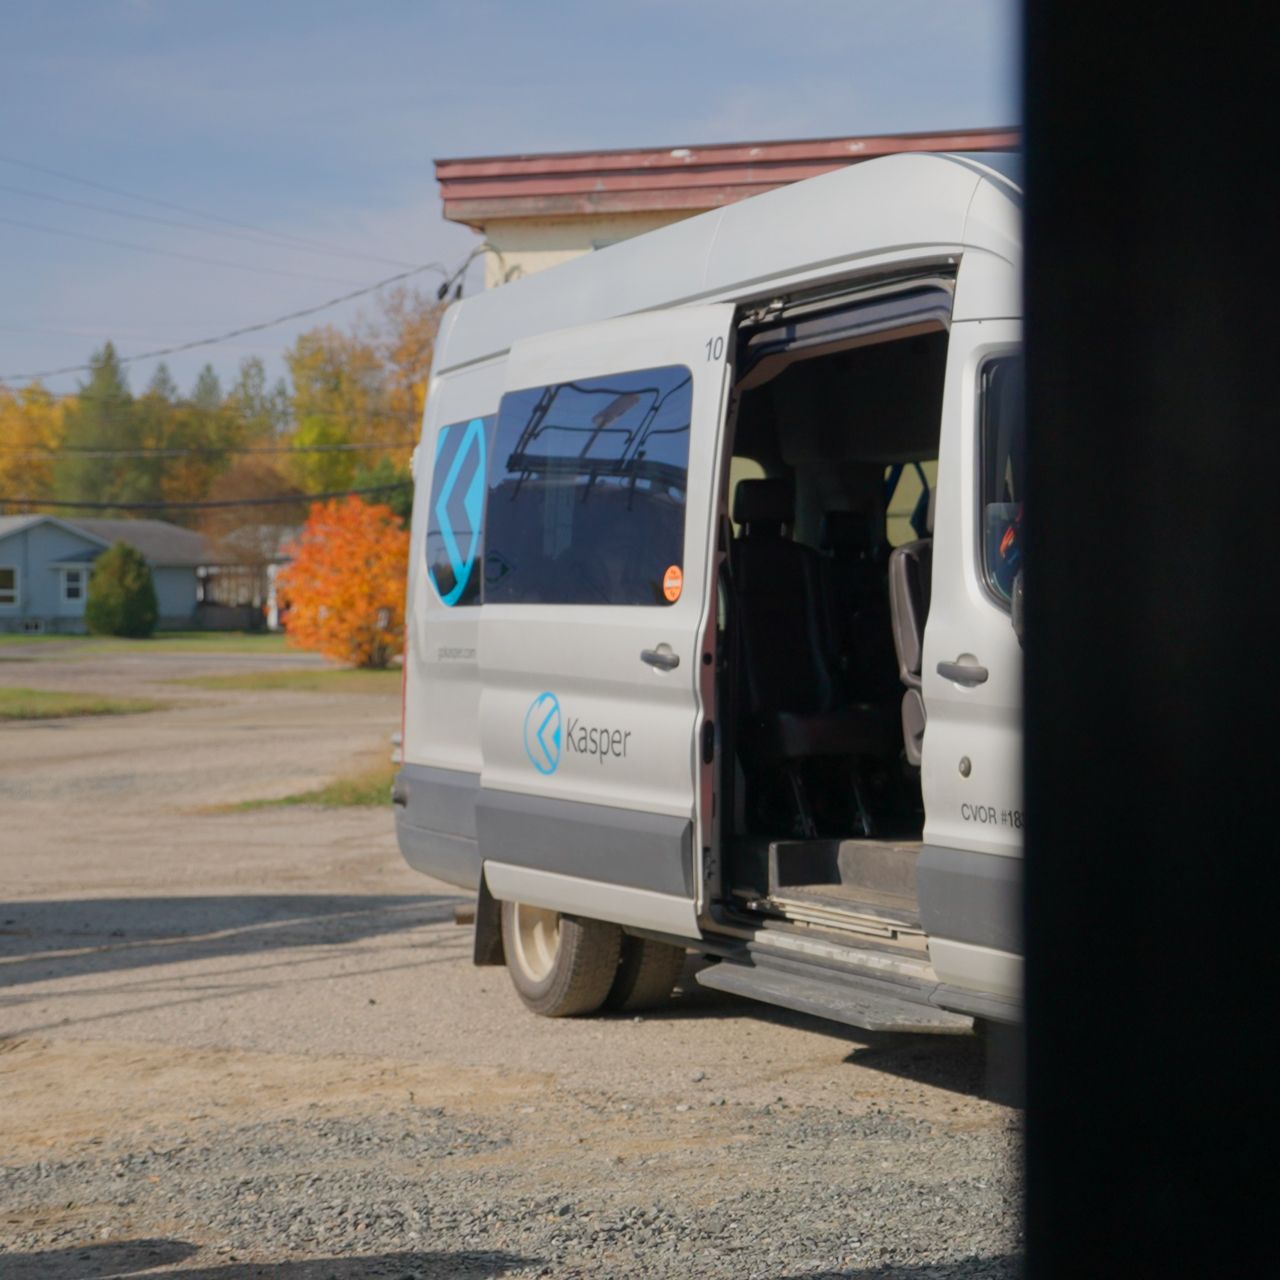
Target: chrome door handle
965,673
662,657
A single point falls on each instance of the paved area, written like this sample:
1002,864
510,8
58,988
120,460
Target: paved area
253,1044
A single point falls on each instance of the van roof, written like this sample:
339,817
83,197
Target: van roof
863,212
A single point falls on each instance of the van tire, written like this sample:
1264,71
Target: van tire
561,966
646,974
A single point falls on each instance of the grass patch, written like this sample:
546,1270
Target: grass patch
369,787
161,642
46,704
332,680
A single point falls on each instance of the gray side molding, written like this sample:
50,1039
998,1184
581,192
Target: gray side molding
593,842
971,897
436,822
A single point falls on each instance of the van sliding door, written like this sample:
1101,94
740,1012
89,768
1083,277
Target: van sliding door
599,534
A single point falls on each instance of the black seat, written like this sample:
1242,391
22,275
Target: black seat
910,578
789,687
854,567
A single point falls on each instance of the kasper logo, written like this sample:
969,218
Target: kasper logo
546,732
542,733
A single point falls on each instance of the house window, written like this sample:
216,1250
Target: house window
8,586
73,584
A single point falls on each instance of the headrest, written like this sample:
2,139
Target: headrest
846,531
764,502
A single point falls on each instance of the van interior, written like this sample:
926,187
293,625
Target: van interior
823,596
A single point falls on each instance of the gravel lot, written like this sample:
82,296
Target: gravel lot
253,1044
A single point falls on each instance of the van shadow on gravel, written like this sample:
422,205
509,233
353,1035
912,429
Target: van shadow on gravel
43,941
988,1065
132,1257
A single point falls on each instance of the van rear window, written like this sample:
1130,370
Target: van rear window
587,491
455,533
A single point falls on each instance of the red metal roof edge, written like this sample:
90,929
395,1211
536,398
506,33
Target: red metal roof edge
631,157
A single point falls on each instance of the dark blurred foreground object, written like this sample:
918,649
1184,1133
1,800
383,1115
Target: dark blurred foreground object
122,594
1151,622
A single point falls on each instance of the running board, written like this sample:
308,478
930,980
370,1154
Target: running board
831,996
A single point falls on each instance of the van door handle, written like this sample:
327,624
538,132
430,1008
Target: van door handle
662,657
966,673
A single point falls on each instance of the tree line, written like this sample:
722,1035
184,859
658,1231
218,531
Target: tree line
346,418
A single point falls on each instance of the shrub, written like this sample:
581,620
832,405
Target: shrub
122,596
344,585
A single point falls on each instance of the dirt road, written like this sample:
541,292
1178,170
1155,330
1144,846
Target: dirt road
253,1044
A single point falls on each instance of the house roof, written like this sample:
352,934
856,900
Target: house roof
479,189
163,544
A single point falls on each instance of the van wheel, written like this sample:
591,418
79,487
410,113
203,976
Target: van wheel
560,965
646,973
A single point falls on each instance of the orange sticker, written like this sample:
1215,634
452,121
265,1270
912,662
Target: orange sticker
672,583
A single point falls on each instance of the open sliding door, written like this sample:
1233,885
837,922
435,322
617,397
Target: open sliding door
598,586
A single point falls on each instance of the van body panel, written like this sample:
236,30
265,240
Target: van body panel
576,895
970,897
595,842
977,968
442,685
571,711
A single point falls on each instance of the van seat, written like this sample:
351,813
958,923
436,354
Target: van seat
910,580
791,694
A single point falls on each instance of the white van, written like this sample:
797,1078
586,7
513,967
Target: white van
710,642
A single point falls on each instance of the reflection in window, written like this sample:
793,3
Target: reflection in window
1003,472
587,491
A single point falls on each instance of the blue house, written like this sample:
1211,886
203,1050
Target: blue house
45,563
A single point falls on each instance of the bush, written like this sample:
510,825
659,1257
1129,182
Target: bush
122,596
344,585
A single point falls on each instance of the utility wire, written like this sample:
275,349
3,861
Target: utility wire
281,501
283,237
249,328
247,237
169,253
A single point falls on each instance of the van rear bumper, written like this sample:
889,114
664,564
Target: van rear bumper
436,822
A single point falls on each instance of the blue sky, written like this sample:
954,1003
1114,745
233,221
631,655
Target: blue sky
320,121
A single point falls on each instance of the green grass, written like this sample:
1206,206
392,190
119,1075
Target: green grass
369,787
46,704
161,642
331,680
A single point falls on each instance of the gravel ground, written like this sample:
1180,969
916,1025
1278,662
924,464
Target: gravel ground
254,1045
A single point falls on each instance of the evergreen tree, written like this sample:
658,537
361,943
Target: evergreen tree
162,385
102,417
208,390
122,596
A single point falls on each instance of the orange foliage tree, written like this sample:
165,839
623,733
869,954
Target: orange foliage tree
344,585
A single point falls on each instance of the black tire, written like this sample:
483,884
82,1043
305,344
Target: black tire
565,979
646,974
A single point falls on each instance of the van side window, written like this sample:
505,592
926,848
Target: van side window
1003,461
587,491
455,532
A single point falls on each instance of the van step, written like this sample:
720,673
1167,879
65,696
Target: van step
831,996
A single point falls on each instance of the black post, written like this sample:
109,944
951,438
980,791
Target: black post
1152,919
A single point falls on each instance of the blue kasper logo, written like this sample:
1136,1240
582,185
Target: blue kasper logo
542,733
465,481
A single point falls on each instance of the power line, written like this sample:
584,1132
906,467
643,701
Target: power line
169,253
284,237
280,501
247,237
249,328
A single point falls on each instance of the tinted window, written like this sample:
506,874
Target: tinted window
587,491
455,517
1003,463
